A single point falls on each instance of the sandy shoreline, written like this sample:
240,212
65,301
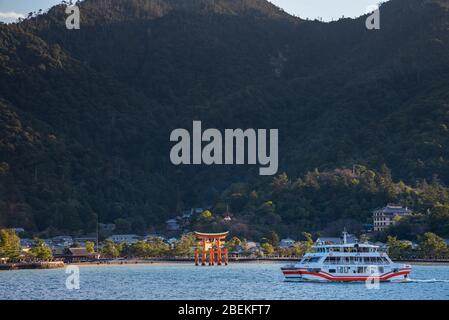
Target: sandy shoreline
171,263
191,263
140,263
163,263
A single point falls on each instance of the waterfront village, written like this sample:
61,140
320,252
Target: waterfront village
179,244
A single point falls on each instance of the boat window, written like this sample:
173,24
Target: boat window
331,260
368,260
332,270
343,269
355,260
314,259
373,269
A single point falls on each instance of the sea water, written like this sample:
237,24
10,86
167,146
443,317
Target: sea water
234,282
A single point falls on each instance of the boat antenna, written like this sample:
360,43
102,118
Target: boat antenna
344,236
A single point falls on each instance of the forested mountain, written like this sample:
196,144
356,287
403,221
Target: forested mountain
86,114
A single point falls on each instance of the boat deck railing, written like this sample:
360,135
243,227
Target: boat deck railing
356,263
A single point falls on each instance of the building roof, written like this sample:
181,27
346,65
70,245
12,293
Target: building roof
252,244
211,235
334,240
62,238
391,209
123,237
85,239
79,252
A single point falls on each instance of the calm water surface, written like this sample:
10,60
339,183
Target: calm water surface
184,281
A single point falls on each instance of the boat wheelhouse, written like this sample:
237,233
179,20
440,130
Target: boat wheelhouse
346,262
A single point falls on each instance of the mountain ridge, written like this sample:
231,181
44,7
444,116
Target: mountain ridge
86,114
110,11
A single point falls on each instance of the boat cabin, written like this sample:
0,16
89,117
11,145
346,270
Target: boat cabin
354,248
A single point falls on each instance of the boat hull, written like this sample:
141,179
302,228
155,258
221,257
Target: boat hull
293,273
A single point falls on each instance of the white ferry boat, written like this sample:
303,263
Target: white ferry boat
346,262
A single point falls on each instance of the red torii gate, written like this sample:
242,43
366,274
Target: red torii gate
214,244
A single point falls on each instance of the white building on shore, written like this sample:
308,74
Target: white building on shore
124,238
388,216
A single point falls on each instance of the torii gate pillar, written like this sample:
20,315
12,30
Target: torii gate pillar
212,243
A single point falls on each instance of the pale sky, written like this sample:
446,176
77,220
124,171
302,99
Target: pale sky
326,9
10,10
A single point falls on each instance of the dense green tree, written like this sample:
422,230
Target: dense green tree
122,225
152,248
232,243
158,248
432,246
398,249
267,248
9,244
302,247
185,245
110,250
439,219
356,132
40,251
273,239
90,246
139,249
206,215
